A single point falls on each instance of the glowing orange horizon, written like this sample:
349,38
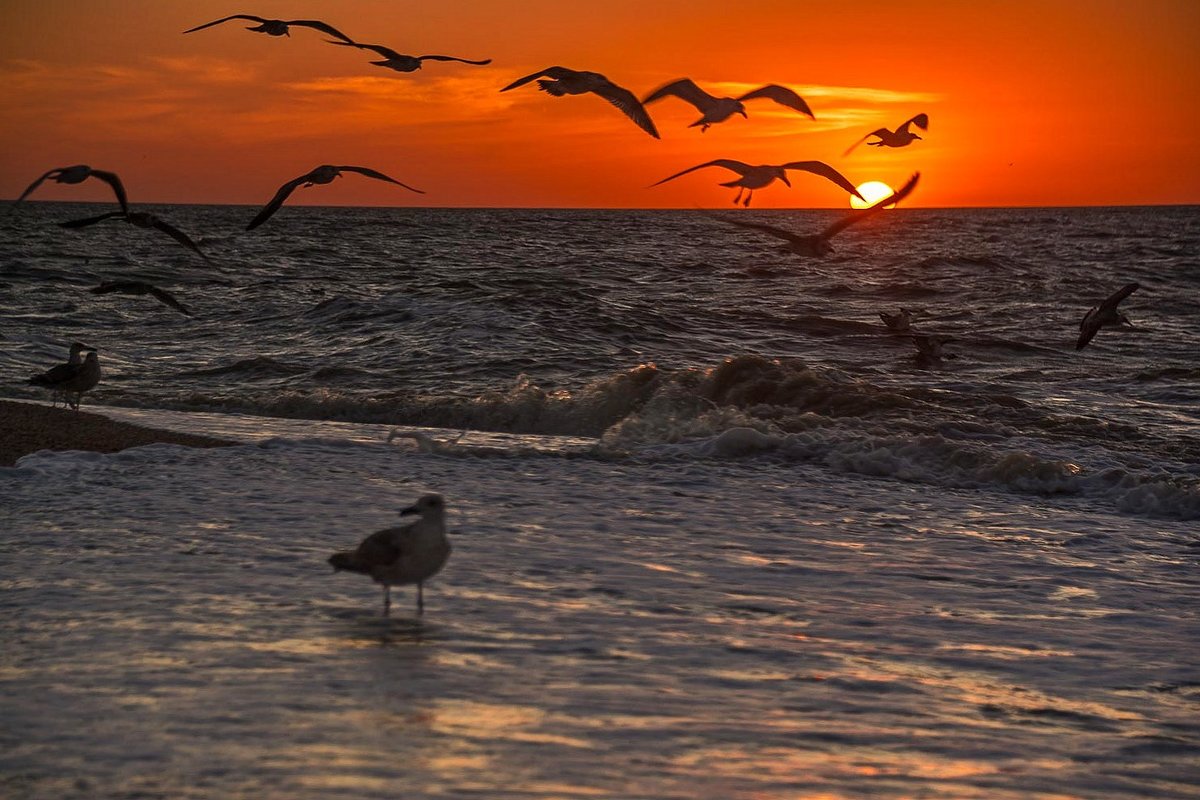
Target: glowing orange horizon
1019,116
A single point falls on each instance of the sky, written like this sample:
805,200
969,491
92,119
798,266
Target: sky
1031,102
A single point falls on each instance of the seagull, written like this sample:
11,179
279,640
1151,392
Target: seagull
901,137
276,27
412,553
1105,315
719,109
757,176
929,350
140,219
140,288
817,245
900,322
401,62
322,174
78,174
72,379
568,81
52,377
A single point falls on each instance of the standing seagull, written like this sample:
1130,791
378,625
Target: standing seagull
52,377
72,379
756,177
78,174
323,174
568,81
140,288
1105,315
276,27
401,62
139,219
901,137
817,245
719,109
412,553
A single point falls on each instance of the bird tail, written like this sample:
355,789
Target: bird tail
551,88
345,561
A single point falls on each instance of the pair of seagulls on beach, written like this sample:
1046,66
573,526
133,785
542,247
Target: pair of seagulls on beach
69,381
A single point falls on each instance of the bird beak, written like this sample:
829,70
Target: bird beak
915,136
410,510
742,111
1125,321
785,179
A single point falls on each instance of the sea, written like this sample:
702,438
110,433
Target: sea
718,532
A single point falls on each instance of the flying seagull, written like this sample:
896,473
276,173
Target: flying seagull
817,245
52,377
401,62
568,81
78,174
412,553
1105,315
322,174
276,27
900,322
719,109
900,137
756,177
140,288
929,350
140,219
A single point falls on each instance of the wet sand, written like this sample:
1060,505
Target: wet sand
27,428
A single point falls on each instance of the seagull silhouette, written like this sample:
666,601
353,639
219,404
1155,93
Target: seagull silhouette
140,288
276,27
78,174
561,81
140,219
401,62
60,373
719,109
322,174
929,353
757,176
901,137
900,322
817,245
1105,315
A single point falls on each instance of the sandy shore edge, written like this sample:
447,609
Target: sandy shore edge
28,427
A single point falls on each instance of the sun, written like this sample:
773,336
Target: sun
873,191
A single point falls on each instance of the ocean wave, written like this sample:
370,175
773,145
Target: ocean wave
261,366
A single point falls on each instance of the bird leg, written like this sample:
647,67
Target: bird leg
387,600
749,194
738,197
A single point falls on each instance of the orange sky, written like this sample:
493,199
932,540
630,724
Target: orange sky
1059,102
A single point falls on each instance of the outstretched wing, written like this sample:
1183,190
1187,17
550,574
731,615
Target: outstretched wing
83,223
627,101
36,184
250,17
825,171
107,287
386,52
880,132
169,300
276,201
321,26
858,216
454,58
728,163
558,73
177,235
920,120
685,89
1113,300
770,230
370,173
782,95
112,180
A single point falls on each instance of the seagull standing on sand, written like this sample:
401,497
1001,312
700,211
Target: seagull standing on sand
140,288
78,174
719,109
900,322
1105,315
276,27
139,219
322,174
817,245
757,176
52,377
563,81
901,137
408,554
72,379
401,62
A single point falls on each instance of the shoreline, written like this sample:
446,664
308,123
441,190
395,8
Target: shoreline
27,428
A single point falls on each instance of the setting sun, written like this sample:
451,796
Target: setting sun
872,191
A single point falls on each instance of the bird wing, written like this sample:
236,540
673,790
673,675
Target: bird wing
250,17
321,26
880,132
454,58
1113,300
276,201
386,52
728,163
107,287
684,89
782,95
370,173
920,120
112,180
56,374
825,171
177,235
557,73
83,223
36,184
380,548
628,103
859,216
770,230
1089,326
169,300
